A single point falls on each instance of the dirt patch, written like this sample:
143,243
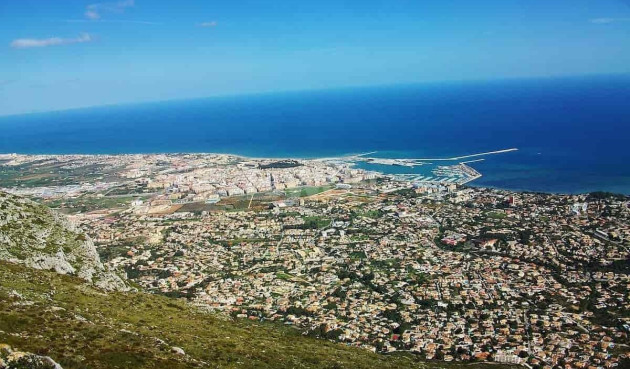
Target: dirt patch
164,209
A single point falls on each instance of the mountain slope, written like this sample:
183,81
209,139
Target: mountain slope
34,235
80,326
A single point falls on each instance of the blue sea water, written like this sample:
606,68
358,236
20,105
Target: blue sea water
572,133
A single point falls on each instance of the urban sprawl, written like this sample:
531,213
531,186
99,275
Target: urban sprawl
438,269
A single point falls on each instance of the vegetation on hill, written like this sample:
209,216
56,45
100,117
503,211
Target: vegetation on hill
11,359
80,326
281,164
33,235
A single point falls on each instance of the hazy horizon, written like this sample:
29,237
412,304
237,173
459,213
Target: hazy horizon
332,88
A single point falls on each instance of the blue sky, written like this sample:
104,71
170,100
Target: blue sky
63,54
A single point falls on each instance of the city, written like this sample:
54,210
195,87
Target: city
446,272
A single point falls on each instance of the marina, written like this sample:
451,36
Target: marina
423,161
430,174
443,175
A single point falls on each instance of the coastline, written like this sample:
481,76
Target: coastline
353,159
560,150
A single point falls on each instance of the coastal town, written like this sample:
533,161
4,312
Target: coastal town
438,269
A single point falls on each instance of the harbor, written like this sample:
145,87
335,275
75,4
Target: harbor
459,174
426,171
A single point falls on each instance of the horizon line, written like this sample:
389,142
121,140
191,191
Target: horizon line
316,89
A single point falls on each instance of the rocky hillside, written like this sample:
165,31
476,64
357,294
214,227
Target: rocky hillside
10,359
80,327
33,235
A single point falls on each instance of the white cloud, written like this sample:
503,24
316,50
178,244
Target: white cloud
94,11
208,24
122,21
608,20
25,43
92,14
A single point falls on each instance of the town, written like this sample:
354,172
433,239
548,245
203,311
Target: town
443,271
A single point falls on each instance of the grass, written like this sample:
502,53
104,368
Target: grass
496,215
50,174
284,276
306,191
86,204
82,327
29,224
15,176
121,330
357,255
234,203
317,222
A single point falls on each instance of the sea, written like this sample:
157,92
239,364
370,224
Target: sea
572,134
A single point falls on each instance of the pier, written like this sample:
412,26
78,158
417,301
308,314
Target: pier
421,161
466,156
458,174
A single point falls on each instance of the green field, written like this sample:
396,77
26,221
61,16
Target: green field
87,203
306,191
30,175
496,215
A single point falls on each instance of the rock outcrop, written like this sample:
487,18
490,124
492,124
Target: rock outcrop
10,359
33,235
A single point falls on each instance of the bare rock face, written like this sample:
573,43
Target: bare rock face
10,359
178,350
34,235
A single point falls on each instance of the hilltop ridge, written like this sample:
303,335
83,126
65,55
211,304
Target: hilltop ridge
33,235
